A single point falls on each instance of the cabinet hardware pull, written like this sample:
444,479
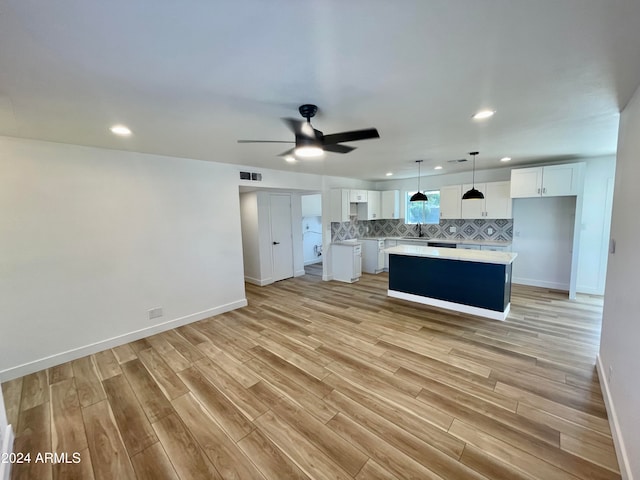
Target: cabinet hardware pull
276,243
538,191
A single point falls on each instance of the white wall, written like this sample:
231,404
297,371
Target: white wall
91,239
596,222
543,239
621,324
250,237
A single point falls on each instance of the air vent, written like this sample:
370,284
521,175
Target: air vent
254,176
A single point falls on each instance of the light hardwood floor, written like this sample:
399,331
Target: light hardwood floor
328,380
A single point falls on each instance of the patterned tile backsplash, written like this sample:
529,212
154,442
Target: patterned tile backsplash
478,229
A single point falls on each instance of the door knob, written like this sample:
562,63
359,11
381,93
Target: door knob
276,243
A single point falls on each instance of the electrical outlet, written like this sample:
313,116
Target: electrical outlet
490,231
452,229
155,313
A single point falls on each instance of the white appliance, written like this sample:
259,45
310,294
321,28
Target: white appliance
373,255
346,261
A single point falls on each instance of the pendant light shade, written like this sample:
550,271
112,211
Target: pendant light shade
418,196
473,194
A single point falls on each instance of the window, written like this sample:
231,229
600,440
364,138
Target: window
423,212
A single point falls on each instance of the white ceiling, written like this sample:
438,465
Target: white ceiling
191,77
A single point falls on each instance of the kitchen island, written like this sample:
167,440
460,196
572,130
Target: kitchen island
467,281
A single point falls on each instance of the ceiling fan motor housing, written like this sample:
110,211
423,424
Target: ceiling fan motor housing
308,110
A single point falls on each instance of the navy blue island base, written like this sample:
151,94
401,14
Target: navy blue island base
478,288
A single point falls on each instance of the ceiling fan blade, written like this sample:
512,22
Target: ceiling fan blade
288,152
338,148
351,136
300,127
264,141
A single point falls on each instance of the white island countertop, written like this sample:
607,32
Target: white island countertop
482,256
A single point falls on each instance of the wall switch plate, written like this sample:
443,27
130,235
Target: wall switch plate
490,231
453,229
155,313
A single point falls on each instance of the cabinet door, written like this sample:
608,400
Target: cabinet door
559,180
473,208
370,210
339,205
450,201
311,205
526,182
390,204
498,200
357,196
373,205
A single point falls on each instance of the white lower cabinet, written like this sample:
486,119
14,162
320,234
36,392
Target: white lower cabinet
372,255
497,248
388,244
347,262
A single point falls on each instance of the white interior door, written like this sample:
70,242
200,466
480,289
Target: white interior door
281,236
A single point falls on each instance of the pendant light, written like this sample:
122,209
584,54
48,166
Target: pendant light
418,196
473,194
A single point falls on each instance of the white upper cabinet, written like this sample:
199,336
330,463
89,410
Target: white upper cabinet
311,205
496,203
340,206
390,204
497,199
549,181
451,202
357,196
371,209
473,208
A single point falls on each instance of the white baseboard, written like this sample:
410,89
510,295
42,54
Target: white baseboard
618,441
7,448
261,282
540,283
589,290
299,273
73,354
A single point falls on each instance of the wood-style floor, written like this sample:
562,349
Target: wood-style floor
326,380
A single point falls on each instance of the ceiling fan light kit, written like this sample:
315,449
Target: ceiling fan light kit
312,143
473,194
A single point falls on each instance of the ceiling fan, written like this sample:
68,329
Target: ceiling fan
310,142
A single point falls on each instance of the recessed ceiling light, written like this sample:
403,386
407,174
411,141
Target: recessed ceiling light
120,130
439,167
482,114
505,159
388,174
290,159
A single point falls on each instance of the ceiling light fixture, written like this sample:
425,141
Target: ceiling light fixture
308,147
389,174
418,196
438,167
473,194
483,114
505,159
120,130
